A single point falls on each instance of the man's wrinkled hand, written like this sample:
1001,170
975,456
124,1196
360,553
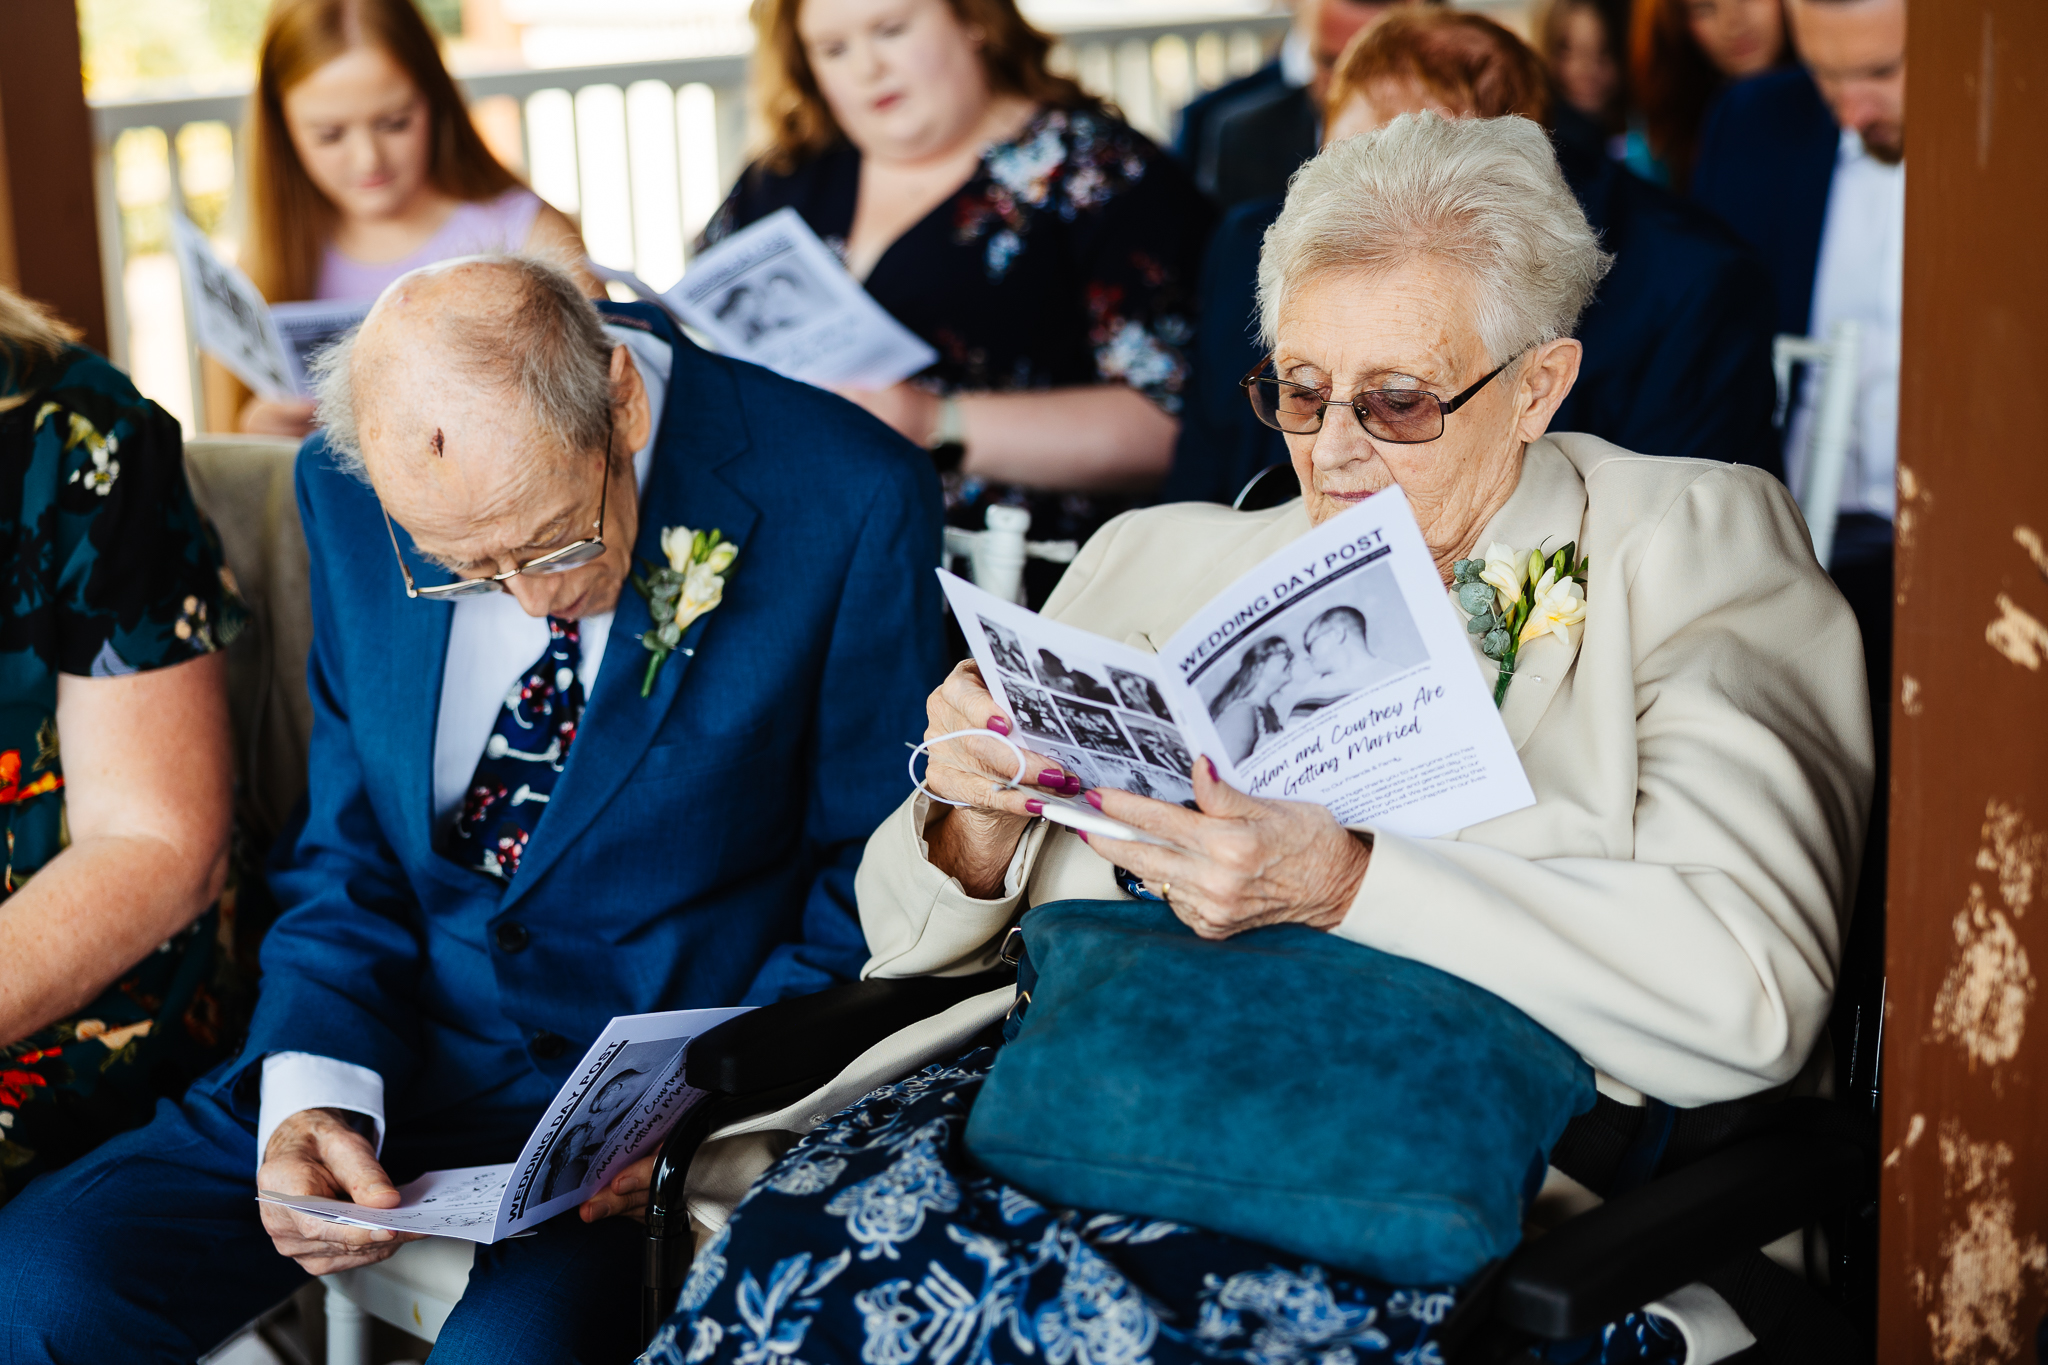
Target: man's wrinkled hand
626,1193
317,1152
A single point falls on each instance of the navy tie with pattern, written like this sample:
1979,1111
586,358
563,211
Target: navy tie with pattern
528,748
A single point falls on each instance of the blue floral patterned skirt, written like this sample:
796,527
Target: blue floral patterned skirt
878,1240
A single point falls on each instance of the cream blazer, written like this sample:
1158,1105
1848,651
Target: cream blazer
1673,905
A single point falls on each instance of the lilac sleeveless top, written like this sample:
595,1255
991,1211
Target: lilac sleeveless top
501,224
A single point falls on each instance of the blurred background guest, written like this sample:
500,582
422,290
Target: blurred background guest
363,164
1677,341
1045,249
1582,41
115,761
1811,170
1682,53
1244,139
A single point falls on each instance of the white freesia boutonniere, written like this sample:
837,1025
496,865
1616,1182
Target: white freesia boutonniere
699,562
1510,598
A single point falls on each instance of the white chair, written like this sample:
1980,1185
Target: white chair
414,1290
1826,452
995,556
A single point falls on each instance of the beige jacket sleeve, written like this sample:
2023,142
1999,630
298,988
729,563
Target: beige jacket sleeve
1697,963
918,920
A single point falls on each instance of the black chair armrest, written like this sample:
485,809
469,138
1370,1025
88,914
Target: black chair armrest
814,1036
758,1063
1679,1228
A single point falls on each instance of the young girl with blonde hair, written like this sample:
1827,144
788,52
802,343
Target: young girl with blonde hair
363,164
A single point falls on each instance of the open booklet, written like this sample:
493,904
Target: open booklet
1335,672
268,348
774,294
617,1104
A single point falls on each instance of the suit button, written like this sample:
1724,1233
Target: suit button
512,937
548,1046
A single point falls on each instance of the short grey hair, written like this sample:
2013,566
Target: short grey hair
540,342
1482,195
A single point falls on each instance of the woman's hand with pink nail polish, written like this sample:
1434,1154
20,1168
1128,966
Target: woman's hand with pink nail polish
975,841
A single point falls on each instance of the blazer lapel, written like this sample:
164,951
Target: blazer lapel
700,432
1546,510
416,656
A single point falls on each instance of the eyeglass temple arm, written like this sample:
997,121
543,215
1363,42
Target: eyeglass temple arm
1454,404
392,531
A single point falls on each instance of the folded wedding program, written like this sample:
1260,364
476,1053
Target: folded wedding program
268,348
1335,672
773,293
616,1106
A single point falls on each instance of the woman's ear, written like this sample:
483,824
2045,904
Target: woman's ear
1549,374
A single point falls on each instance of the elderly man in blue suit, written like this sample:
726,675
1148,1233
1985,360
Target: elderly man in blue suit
516,829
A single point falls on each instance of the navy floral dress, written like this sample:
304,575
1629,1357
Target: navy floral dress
109,570
878,1240
1070,257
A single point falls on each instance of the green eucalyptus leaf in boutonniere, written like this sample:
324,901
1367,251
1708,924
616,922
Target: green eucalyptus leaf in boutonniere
1510,597
692,584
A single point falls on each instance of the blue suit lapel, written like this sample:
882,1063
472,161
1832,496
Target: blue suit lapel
700,432
416,658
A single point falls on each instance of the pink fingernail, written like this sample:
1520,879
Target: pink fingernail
1083,833
999,725
1035,806
1214,776
1052,777
1073,785
1094,799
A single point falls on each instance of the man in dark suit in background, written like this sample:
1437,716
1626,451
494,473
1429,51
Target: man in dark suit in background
1243,140
1677,341
1807,164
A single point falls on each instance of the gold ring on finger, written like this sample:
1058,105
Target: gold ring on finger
1166,892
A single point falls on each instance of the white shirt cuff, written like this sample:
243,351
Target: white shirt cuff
1711,1328
295,1081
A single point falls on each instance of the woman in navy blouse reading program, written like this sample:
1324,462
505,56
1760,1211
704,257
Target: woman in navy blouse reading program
1045,249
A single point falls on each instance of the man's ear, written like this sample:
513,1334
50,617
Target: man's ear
632,414
1547,376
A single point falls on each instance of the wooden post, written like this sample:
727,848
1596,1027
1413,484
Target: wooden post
1964,1217
49,234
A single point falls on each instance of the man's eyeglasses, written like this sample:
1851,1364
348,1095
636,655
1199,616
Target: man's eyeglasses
1399,416
571,556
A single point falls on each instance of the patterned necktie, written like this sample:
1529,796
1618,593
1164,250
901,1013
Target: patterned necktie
528,748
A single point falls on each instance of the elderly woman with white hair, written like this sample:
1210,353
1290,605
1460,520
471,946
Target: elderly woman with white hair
1670,907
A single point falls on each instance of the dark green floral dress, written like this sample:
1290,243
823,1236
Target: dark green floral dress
109,570
1070,257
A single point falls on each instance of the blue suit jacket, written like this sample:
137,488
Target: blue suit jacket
1766,162
1242,140
701,843
1678,339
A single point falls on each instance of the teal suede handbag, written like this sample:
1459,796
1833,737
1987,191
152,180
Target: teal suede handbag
1286,1086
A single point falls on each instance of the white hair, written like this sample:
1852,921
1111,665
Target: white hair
539,342
1484,196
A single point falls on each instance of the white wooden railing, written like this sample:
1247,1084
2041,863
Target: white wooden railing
641,153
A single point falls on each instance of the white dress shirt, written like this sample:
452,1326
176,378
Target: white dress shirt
491,642
1861,278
